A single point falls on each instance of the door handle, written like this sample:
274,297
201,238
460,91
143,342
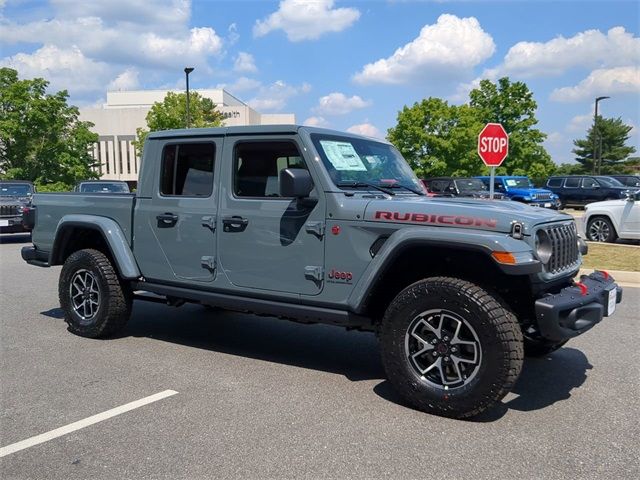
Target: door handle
167,220
234,224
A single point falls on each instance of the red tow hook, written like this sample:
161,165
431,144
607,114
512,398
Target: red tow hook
583,288
605,273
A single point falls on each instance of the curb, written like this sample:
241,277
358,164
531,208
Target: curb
624,278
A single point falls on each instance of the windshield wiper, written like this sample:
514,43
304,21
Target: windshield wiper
399,185
358,184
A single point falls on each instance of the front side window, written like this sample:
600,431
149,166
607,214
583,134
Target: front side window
589,183
518,182
258,165
554,182
187,169
470,184
353,162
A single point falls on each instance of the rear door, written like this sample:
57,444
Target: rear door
175,226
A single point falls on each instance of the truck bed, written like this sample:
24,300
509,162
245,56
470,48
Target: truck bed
51,207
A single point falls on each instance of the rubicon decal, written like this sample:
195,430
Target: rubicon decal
336,276
435,219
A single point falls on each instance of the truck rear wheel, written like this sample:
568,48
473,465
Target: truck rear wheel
450,348
94,300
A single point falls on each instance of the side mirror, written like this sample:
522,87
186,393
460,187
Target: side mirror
631,196
295,182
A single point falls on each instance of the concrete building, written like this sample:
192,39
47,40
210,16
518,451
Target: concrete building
117,120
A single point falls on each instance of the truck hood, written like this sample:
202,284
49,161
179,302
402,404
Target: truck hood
495,216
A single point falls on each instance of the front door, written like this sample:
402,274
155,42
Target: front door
175,227
268,242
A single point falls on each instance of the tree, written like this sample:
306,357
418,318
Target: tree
171,113
41,138
512,104
611,136
441,139
437,138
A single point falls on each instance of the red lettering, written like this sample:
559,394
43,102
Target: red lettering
446,219
419,217
402,217
384,215
464,221
488,222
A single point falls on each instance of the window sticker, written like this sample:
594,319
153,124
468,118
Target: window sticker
511,182
343,156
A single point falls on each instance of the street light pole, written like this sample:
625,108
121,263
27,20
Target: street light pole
187,71
596,132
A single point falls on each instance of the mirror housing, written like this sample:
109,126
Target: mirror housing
631,195
295,182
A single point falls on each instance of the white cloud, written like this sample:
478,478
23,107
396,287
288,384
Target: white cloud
232,34
316,122
339,104
365,129
580,123
610,81
245,63
274,97
306,19
127,80
451,45
588,49
62,68
242,84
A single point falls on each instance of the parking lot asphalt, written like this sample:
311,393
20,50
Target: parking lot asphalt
264,398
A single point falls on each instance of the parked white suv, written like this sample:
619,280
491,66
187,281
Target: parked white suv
606,221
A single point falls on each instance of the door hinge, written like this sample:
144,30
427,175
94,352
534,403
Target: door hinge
315,228
209,263
312,272
209,222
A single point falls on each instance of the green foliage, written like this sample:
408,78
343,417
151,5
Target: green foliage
41,138
441,139
171,114
611,137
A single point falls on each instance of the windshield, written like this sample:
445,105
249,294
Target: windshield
520,182
104,187
15,189
355,161
470,184
609,182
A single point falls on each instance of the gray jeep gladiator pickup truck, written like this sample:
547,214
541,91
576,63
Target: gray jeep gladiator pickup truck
315,225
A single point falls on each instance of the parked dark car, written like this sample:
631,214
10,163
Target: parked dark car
579,190
102,186
15,196
628,180
459,187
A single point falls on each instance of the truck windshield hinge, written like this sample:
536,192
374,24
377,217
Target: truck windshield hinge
315,273
315,228
209,222
209,263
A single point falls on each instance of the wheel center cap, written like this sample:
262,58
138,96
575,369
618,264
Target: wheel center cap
442,348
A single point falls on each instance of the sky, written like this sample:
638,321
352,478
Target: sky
348,65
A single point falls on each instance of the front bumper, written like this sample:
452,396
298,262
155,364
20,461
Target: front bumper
12,225
577,308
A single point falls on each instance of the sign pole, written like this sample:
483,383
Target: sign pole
492,182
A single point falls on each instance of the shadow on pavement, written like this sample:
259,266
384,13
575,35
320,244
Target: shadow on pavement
15,238
543,382
319,347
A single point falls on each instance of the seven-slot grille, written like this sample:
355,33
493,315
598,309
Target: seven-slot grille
9,210
543,196
564,239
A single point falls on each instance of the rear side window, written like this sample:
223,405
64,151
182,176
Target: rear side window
258,165
187,169
573,182
554,182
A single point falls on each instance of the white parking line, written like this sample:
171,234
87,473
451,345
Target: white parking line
72,427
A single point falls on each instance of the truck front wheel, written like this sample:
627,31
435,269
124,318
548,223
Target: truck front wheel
450,348
94,300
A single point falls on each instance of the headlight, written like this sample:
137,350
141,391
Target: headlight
534,196
544,248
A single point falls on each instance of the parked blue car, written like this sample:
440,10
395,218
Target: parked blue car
520,189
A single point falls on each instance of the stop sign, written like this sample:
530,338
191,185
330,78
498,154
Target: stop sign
493,144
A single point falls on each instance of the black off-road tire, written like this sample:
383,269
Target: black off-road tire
538,347
115,296
498,333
